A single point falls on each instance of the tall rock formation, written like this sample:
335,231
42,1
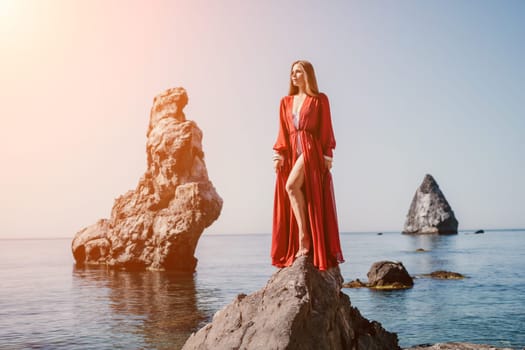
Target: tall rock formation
430,211
301,308
158,224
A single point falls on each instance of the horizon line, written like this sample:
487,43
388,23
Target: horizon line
264,233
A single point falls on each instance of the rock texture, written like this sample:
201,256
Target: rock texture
300,308
430,211
357,283
444,275
455,346
158,224
389,275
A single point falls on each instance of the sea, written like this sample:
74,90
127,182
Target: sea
46,302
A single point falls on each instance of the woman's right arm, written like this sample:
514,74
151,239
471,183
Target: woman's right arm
281,146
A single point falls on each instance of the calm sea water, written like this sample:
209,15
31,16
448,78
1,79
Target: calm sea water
48,303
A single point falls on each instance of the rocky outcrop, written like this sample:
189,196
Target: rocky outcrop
456,346
158,224
300,308
389,275
430,211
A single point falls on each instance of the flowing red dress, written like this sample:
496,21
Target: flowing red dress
316,139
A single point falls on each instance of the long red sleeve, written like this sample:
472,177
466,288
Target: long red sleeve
282,143
326,131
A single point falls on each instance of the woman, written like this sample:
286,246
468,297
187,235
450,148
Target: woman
305,219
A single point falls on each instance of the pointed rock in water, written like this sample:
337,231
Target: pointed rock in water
300,308
158,224
430,211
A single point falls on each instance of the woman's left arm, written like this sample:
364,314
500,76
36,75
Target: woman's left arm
326,132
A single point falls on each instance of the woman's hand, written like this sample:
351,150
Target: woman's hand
277,164
328,163
277,161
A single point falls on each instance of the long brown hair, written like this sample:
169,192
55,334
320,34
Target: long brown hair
311,81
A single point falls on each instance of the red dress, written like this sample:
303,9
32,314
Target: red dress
316,139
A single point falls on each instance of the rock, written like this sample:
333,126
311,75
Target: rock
389,275
380,233
91,243
479,231
455,346
420,250
158,224
430,211
444,275
300,308
355,284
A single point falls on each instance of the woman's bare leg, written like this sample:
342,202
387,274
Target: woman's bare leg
293,187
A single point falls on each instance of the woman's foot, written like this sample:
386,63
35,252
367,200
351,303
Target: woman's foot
304,246
301,252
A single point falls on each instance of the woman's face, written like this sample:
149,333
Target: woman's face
297,75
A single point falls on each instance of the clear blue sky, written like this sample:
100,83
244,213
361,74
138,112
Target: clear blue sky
416,87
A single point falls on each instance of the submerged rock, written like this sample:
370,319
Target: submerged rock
389,275
158,224
430,211
444,275
357,283
300,308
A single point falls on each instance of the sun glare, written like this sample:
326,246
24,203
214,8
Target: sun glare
7,9
8,14
18,21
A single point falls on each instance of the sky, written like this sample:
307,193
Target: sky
415,87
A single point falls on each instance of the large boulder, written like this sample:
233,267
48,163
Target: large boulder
158,224
389,275
300,308
430,211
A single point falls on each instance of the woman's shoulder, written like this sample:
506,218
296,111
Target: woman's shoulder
285,99
322,96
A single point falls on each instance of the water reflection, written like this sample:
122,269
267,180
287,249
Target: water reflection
439,252
428,242
156,310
